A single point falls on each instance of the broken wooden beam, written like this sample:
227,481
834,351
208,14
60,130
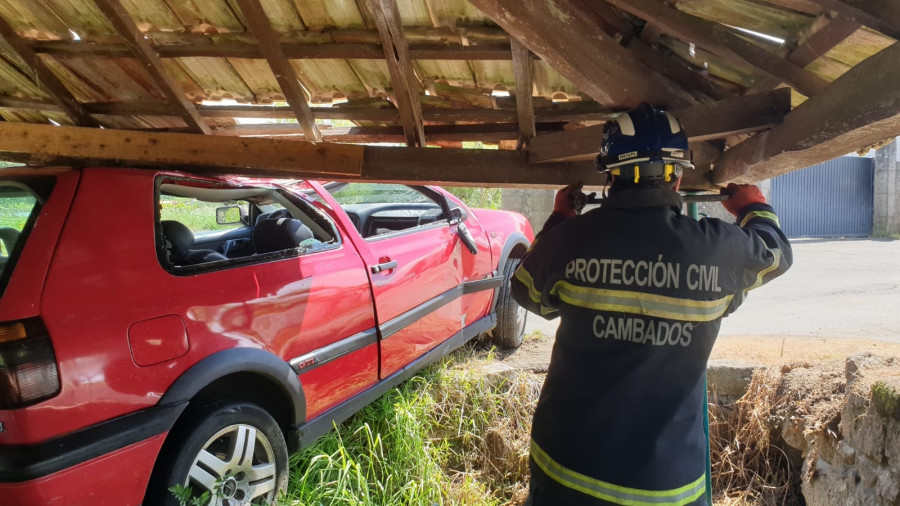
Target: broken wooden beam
702,122
860,108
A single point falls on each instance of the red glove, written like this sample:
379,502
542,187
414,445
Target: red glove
742,195
571,200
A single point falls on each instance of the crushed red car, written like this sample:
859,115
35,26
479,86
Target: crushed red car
163,328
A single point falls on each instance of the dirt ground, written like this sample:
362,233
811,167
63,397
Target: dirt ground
839,298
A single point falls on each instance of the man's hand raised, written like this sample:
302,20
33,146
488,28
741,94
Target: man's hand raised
741,196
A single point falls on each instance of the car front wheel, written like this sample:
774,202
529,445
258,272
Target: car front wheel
234,452
511,317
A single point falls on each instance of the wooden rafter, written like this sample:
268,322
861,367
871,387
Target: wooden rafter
701,122
880,15
261,28
403,79
140,48
559,31
46,78
488,132
860,108
718,40
524,88
675,69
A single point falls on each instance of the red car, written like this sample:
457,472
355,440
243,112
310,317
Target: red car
163,328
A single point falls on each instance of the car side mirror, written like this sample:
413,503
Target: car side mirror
458,215
229,215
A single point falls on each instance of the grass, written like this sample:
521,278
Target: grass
448,436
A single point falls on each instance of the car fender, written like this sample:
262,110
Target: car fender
513,241
240,360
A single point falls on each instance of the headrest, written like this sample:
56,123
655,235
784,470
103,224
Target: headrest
274,215
279,234
9,236
179,236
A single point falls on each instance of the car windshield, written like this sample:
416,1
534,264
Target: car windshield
375,193
20,203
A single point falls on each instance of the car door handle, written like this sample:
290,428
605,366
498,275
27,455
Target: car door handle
386,266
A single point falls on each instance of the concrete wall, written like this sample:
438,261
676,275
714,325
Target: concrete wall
886,211
535,204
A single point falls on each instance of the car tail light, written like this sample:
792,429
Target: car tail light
28,371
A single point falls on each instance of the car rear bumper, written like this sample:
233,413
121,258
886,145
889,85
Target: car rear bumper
110,461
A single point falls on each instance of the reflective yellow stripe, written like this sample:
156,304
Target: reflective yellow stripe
776,261
760,214
615,493
623,301
525,277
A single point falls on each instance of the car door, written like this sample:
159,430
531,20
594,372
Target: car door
414,261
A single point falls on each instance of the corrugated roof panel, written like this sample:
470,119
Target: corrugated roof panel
548,81
14,83
454,12
320,14
207,16
214,76
491,73
79,89
109,79
827,68
859,46
452,72
374,75
258,77
750,15
325,79
729,70
81,16
34,20
33,117
152,15
282,14
414,13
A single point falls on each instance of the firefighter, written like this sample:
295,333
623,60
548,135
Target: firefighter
641,291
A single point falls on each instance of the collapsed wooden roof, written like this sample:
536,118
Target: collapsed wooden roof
762,86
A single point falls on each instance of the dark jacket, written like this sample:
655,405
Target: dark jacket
641,291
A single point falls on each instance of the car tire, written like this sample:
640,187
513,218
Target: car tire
233,448
511,317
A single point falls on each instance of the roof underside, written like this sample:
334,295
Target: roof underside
763,87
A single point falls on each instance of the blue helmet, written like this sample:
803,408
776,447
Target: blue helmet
644,143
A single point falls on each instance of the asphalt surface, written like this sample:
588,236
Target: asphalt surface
835,289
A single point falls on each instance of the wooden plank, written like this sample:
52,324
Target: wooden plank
675,69
403,80
134,38
560,32
524,88
46,144
860,108
721,41
44,77
287,79
492,132
701,122
880,15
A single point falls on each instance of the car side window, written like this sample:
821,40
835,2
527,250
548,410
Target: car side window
378,209
207,226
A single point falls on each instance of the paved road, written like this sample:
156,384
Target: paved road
836,289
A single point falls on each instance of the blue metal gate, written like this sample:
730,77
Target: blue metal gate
831,199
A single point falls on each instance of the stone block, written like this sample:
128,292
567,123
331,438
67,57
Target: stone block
730,377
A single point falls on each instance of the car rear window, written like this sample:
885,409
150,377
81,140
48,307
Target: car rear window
20,205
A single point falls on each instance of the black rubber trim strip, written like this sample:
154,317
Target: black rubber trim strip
307,433
20,463
309,361
415,314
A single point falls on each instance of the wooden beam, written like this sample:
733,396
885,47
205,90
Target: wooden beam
524,88
44,77
134,38
676,70
258,23
490,132
563,35
701,122
46,144
720,41
403,79
860,108
880,15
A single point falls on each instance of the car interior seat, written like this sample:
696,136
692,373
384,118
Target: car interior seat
9,236
279,234
180,245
